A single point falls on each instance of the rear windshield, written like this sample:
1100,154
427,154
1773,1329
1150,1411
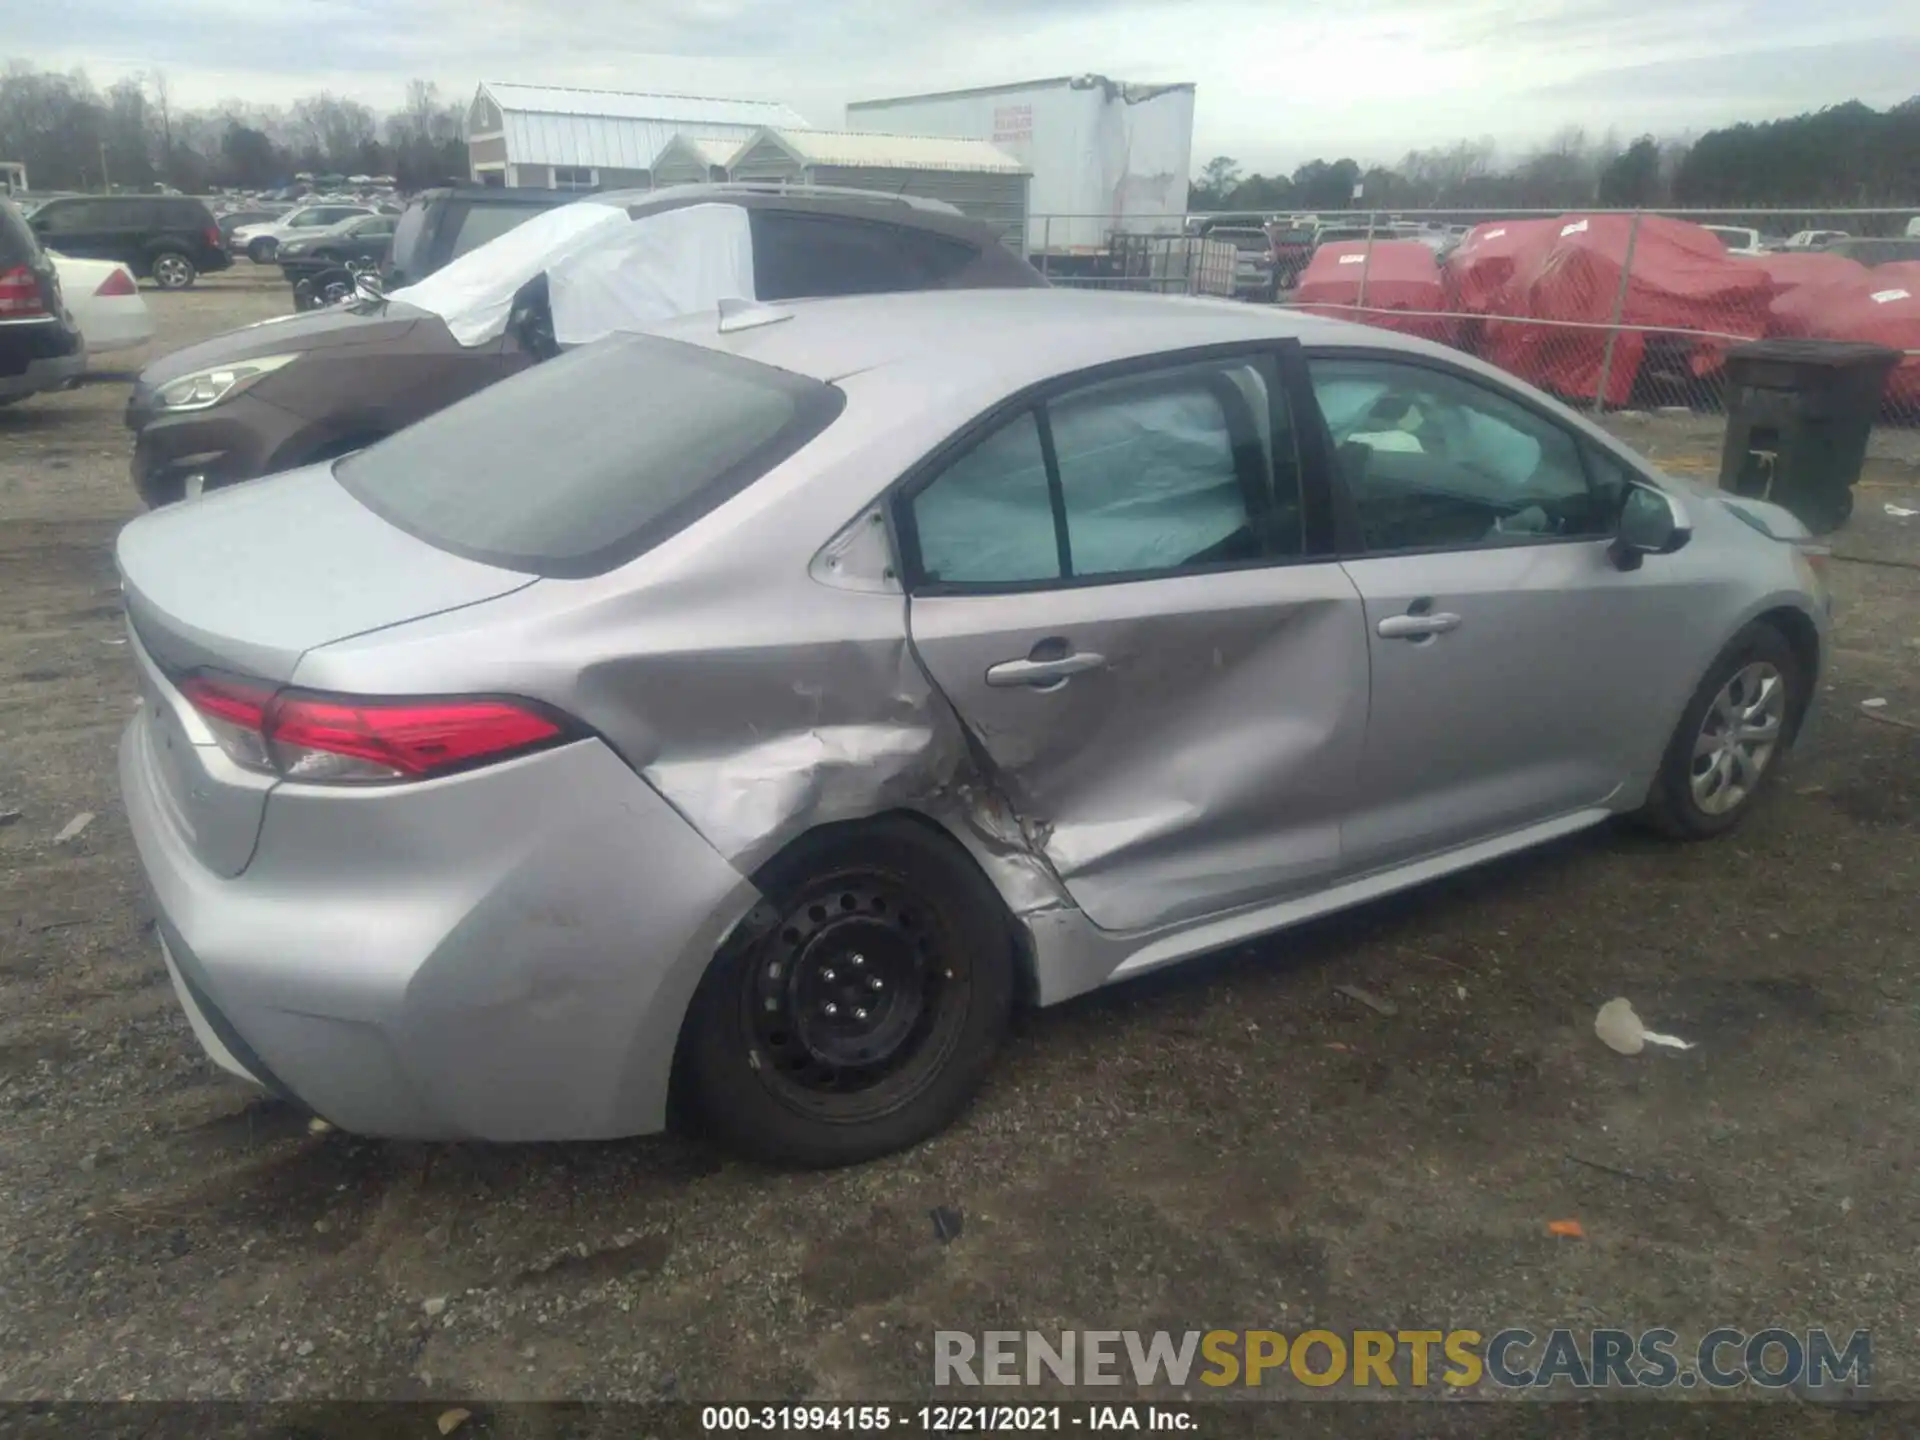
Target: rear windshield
590,459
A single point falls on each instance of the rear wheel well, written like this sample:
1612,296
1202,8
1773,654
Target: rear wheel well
1799,632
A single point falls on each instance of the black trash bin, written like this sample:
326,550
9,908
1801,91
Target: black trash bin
1798,416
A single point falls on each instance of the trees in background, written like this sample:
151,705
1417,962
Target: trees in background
72,136
1845,155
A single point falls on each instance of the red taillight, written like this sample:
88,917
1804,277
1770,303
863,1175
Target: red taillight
340,740
120,282
20,293
215,238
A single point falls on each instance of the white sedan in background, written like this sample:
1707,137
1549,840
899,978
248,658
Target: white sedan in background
105,303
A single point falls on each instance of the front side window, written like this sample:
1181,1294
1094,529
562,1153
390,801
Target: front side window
1165,472
300,219
70,219
1433,460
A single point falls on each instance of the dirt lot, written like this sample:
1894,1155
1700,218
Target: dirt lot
1235,1145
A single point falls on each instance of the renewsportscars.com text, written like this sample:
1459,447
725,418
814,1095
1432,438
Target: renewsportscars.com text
1511,1359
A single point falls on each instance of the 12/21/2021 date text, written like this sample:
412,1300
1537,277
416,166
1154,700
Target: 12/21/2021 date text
942,1419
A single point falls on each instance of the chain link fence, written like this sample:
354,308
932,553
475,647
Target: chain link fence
1607,309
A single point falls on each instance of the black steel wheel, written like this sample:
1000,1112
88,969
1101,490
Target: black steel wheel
862,1018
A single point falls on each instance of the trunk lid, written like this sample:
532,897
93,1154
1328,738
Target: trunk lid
247,581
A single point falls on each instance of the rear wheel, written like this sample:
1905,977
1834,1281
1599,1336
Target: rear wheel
1732,739
172,270
863,1019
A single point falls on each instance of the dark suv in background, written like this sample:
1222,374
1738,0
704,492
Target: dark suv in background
40,348
170,239
315,386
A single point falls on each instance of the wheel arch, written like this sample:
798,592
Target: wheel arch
1799,631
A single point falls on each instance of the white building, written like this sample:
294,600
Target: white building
546,136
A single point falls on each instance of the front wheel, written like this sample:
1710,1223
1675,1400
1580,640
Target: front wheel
1732,739
863,1017
172,271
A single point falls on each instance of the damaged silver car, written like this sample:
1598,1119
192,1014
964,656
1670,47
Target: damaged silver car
747,715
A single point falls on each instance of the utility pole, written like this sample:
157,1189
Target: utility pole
106,185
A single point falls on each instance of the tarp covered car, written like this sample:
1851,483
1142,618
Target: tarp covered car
1682,277
1355,280
1477,272
1881,307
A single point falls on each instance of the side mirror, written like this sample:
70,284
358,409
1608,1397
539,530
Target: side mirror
1652,522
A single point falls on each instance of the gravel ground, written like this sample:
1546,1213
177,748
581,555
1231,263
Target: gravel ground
1235,1145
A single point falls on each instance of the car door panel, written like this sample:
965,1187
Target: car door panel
1173,695
1495,721
1506,646
1202,763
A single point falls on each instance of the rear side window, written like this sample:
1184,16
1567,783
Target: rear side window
483,222
1166,472
407,237
796,255
590,459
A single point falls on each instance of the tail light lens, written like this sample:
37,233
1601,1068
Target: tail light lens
215,238
346,740
20,293
118,283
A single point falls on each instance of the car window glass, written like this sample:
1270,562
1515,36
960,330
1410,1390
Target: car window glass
800,254
483,222
616,477
988,517
1434,460
1611,478
69,219
1158,473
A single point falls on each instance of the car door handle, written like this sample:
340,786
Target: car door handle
1043,674
1416,627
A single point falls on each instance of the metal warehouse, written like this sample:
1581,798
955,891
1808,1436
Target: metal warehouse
543,136
973,176
687,161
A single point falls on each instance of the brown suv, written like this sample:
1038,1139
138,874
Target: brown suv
304,388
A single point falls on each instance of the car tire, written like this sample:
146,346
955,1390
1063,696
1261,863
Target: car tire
1708,783
262,249
783,1057
172,270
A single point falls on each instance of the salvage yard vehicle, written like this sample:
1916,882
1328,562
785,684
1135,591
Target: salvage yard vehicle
261,240
105,303
749,710
171,240
40,345
317,266
299,388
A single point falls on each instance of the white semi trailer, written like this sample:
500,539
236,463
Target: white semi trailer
1107,158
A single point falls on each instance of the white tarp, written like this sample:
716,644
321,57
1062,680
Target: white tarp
672,263
474,294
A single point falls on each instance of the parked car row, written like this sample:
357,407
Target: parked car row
56,309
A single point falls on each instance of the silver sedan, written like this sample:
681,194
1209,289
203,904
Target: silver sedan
751,713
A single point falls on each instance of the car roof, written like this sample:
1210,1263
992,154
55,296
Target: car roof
982,339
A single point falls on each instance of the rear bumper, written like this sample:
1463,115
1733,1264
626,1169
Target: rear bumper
503,955
39,355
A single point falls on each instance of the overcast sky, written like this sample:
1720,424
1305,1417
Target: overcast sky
1280,81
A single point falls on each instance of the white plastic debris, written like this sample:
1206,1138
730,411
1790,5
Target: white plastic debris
1620,1029
1900,512
73,827
1878,702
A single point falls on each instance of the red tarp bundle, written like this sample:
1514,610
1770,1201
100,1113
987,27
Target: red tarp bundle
1682,277
1398,275
1477,273
1881,308
1797,307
